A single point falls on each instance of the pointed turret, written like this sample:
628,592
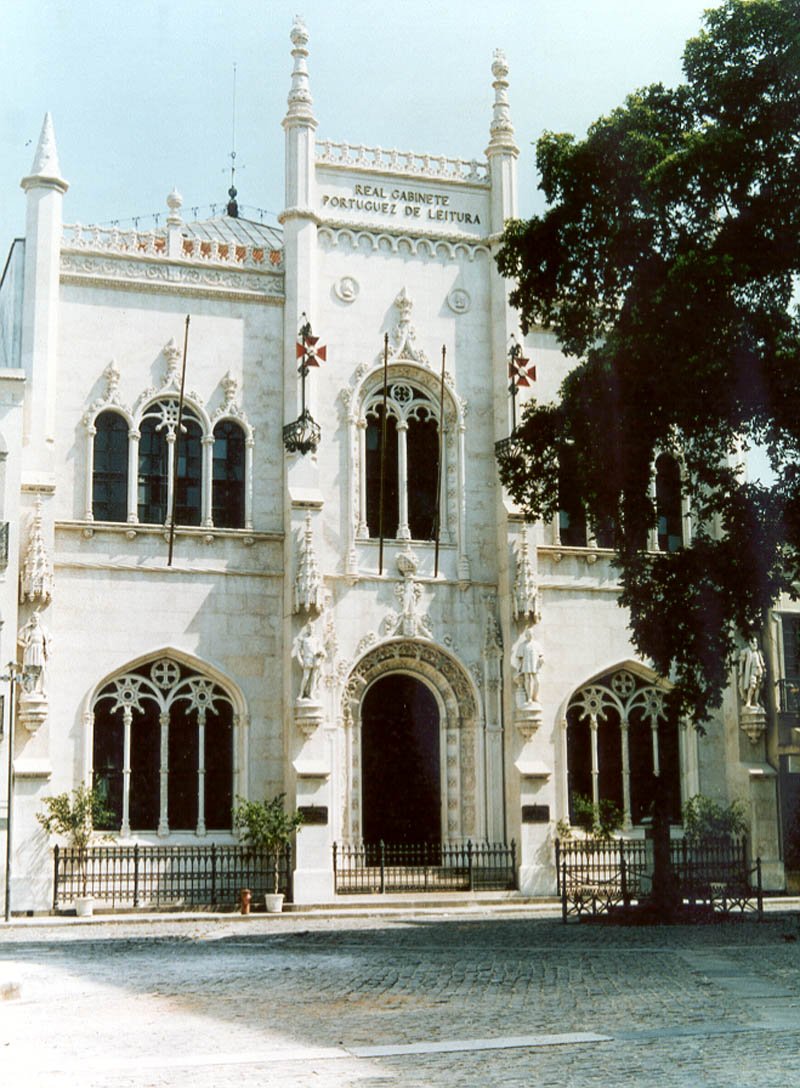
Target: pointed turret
45,171
300,101
44,188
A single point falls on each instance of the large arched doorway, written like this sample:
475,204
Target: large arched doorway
401,786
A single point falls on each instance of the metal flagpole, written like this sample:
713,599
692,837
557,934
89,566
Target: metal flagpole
177,446
437,519
383,451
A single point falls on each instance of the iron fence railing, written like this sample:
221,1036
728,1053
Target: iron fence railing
594,876
377,868
158,876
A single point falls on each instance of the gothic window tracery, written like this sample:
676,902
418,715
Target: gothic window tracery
411,474
163,750
619,735
133,457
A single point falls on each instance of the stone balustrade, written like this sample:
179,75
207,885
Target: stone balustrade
378,159
133,243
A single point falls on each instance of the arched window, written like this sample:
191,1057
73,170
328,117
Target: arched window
619,736
571,512
227,493
163,750
411,463
110,468
668,503
157,466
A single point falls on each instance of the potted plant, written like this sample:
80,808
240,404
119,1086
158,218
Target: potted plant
266,825
75,816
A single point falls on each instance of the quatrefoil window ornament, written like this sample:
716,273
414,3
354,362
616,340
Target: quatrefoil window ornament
592,702
622,684
165,674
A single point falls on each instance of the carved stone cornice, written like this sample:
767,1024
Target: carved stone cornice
451,245
162,276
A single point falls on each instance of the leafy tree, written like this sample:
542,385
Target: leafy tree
665,263
75,816
266,825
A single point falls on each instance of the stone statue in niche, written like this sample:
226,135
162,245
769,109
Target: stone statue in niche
309,652
752,672
36,645
527,660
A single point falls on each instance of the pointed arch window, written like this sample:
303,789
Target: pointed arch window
411,462
571,512
163,750
110,467
620,734
157,453
228,476
668,503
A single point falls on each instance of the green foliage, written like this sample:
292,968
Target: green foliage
74,815
266,825
600,822
791,848
665,264
705,819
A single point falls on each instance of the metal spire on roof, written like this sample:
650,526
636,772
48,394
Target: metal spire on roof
233,207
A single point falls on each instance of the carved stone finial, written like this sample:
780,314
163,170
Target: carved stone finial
409,621
36,577
174,203
300,101
501,129
230,387
172,353
112,376
525,599
404,332
308,588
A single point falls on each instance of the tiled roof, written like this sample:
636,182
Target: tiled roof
243,232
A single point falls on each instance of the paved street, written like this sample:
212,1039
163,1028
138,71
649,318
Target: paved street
461,999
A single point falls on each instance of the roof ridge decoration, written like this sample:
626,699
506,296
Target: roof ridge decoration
300,100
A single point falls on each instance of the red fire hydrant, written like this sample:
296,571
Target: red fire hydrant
245,897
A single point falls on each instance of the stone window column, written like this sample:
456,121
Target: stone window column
201,771
207,444
362,531
248,481
133,476
593,726
627,822
89,491
403,531
127,717
163,818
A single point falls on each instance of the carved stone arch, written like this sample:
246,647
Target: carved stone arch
190,400
616,701
203,681
457,699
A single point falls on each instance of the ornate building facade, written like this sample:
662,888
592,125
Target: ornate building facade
350,608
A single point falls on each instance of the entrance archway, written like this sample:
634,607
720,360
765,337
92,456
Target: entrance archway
401,788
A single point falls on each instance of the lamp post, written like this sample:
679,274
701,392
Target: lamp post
26,675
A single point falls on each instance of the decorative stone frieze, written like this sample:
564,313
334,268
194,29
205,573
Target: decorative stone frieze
440,167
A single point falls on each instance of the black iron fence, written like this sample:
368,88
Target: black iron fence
594,876
377,868
160,876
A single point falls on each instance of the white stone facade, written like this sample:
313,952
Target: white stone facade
374,244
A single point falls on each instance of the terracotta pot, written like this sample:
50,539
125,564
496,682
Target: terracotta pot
274,903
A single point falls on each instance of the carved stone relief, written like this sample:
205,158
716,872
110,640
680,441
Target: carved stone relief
36,580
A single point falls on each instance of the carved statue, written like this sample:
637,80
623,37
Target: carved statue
36,644
310,653
752,672
527,660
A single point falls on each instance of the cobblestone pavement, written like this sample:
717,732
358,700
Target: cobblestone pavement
418,1001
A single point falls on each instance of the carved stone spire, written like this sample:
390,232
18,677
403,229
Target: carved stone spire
36,576
501,129
308,588
45,168
300,101
526,594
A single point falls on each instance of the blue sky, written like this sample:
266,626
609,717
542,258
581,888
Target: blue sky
141,92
